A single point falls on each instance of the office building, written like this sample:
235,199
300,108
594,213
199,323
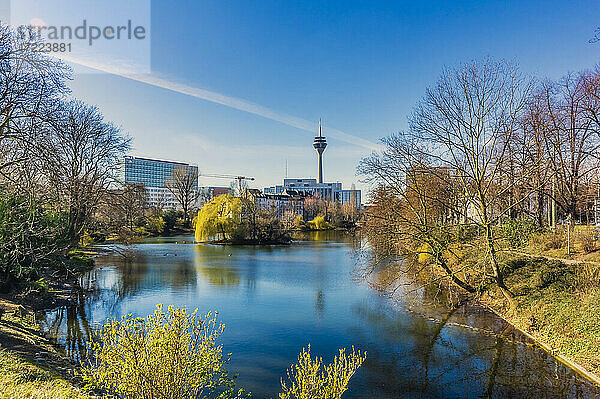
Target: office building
154,175
309,187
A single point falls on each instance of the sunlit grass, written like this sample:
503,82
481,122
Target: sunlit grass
24,380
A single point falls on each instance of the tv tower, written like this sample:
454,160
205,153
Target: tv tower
320,143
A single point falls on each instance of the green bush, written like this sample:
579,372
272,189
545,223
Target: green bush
170,218
311,379
31,238
155,225
175,355
517,232
298,222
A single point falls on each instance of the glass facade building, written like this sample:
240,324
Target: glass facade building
154,175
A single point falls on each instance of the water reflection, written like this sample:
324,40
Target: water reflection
216,273
442,358
276,300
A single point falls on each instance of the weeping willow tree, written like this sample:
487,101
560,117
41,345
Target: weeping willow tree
218,218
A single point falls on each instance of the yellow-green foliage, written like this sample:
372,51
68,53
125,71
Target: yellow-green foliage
166,355
424,252
155,224
311,379
298,221
23,380
221,216
319,223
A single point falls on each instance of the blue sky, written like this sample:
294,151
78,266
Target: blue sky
359,65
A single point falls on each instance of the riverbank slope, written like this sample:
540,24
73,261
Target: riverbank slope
30,365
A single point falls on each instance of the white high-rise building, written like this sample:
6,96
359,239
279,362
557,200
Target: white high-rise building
153,174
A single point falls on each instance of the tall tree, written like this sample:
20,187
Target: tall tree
183,184
535,131
572,139
80,151
466,122
414,206
31,83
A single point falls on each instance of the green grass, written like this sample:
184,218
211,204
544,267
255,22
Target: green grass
553,308
21,379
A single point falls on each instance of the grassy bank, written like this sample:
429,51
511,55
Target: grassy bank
30,366
557,294
553,308
21,378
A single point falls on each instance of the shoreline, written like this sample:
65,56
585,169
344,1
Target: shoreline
582,371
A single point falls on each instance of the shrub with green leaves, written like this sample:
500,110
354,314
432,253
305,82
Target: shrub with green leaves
155,225
310,378
172,355
175,355
517,232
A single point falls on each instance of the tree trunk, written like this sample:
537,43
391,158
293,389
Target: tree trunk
498,277
540,208
462,284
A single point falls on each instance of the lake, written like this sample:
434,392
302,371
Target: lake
275,300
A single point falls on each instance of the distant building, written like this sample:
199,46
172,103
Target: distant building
328,191
216,191
154,175
281,203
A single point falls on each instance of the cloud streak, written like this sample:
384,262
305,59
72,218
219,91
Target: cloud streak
231,102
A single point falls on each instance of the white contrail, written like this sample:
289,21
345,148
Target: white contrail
231,102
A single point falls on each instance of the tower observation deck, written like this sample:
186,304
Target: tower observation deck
319,144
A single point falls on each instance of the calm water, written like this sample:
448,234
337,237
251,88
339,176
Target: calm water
277,300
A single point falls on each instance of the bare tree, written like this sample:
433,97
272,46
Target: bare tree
31,84
572,139
80,152
124,208
535,131
238,187
183,184
465,122
413,207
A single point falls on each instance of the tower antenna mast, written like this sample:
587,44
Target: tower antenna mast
319,144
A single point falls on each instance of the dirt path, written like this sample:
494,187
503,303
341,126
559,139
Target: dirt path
565,261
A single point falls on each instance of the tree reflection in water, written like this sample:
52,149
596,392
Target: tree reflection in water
209,263
440,355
